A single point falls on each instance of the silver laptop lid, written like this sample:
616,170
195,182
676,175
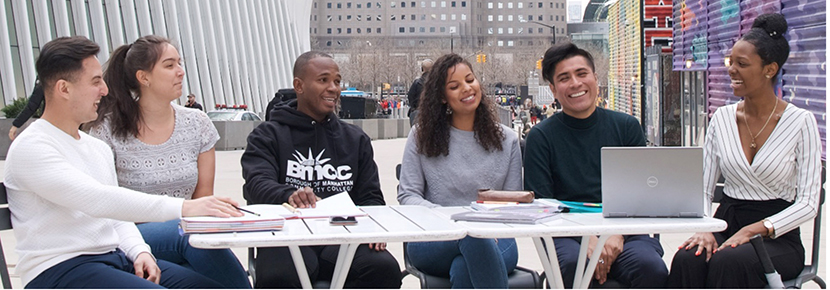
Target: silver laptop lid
652,182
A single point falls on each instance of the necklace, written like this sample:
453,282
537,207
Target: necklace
753,145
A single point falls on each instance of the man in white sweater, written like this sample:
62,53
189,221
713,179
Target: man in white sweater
73,224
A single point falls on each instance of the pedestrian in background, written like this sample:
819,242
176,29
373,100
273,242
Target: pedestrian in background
414,94
191,103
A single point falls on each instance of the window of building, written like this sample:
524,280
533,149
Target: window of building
501,43
501,5
501,17
463,17
443,29
348,18
403,4
540,5
377,4
510,43
402,29
551,17
551,5
423,4
509,17
348,4
348,31
423,17
328,43
432,29
452,3
422,29
368,17
378,18
378,29
392,17
340,31
339,5
412,17
509,5
359,5
432,4
328,5
358,17
490,30
412,4
510,30
392,5
358,31
328,30
339,17
368,4
463,3
519,5
490,18
529,4
490,5
443,16
540,30
519,31
501,30
443,4
452,17
530,31
368,30
412,30
403,16
557,17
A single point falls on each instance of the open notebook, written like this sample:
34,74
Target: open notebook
338,205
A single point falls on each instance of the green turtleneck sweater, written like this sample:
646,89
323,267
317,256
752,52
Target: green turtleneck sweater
562,154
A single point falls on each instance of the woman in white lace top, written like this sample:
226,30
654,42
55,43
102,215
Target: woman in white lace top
162,148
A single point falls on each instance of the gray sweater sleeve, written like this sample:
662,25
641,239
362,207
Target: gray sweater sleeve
412,182
514,173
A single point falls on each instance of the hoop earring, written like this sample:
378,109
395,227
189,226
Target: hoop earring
449,110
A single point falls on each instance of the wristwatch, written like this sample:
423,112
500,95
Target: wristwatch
770,229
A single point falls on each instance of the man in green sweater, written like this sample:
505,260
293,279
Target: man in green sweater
562,161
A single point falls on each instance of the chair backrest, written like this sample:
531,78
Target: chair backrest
5,224
817,223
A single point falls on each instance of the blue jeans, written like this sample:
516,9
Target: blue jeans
639,265
468,262
220,265
113,270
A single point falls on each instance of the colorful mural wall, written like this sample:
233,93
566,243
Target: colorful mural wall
708,28
628,35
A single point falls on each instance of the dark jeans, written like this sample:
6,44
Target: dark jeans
219,264
114,270
370,268
468,262
640,265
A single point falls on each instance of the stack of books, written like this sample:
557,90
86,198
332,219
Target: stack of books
258,217
511,212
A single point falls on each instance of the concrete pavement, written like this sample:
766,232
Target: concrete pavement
388,153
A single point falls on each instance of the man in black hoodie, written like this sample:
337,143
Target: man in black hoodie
304,153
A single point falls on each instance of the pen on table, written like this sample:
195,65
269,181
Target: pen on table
245,210
495,202
289,207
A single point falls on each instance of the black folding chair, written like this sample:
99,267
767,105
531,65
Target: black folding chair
5,224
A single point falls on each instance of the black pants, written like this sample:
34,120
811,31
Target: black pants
739,267
370,268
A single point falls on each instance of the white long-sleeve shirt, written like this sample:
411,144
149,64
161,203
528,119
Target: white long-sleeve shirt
65,200
787,166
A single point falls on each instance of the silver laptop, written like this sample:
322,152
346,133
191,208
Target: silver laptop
652,182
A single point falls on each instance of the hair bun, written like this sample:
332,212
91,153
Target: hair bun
774,24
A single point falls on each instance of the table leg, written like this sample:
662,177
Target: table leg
592,264
299,263
580,264
344,262
550,262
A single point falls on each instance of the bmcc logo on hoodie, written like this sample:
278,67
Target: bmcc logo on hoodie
316,172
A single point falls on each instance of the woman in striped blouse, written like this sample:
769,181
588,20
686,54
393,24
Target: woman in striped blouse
769,153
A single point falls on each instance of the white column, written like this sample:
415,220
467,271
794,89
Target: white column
80,18
115,24
214,62
145,25
6,69
44,29
61,18
255,66
195,17
222,16
171,23
188,50
24,42
241,56
157,16
267,77
287,53
99,32
271,49
130,27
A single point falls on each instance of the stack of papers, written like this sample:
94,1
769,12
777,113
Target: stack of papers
508,216
535,206
268,220
338,205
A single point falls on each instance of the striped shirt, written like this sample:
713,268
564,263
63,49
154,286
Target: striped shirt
787,166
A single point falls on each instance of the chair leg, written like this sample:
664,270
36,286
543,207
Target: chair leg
820,282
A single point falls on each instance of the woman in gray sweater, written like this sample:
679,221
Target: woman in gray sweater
456,148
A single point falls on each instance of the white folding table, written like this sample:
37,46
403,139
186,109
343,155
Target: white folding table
383,224
584,225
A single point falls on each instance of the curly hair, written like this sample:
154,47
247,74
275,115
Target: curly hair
434,123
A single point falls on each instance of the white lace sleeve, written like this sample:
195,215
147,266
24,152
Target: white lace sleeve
209,135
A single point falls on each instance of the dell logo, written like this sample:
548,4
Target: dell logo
651,181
